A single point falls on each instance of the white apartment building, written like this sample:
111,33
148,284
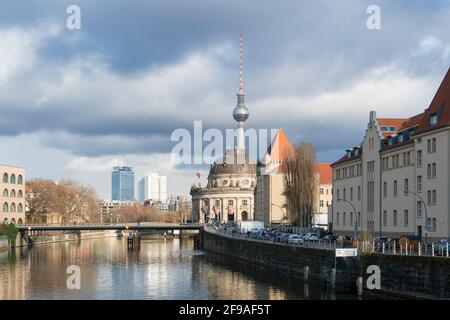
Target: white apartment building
153,187
397,181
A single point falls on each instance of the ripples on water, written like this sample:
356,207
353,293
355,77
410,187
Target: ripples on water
162,269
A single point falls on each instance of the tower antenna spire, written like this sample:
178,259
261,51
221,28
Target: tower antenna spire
241,78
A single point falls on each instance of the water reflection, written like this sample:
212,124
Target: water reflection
162,269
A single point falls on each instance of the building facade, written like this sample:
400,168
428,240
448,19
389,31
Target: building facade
271,173
12,196
122,184
153,187
398,179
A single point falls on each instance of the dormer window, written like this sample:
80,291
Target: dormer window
433,119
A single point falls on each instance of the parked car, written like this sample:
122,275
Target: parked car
295,239
379,242
440,248
329,238
311,236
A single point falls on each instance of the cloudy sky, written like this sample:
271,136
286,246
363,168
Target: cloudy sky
74,103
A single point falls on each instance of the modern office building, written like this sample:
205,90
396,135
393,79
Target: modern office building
122,184
397,180
153,187
12,196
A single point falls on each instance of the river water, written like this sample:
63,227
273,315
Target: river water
162,269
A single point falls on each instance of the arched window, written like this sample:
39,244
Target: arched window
5,221
5,178
13,178
19,221
5,193
13,193
13,221
19,207
20,194
5,207
20,179
13,207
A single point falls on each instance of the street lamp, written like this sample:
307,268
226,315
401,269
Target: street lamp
356,216
281,208
426,214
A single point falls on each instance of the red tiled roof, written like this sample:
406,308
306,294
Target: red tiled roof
391,122
412,122
441,105
325,172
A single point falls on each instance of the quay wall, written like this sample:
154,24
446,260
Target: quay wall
285,258
411,276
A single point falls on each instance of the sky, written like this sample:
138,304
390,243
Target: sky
75,103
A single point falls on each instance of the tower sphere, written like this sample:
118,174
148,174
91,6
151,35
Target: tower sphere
240,112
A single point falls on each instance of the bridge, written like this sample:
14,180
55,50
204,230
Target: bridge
113,226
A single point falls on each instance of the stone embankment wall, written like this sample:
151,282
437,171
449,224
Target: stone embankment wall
418,276
286,258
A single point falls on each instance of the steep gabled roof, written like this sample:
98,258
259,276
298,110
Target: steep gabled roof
280,146
440,105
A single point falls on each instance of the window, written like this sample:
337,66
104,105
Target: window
419,183
359,193
431,145
345,196
244,202
419,209
384,218
321,203
13,178
19,207
419,158
433,119
5,207
351,194
20,179
343,219
337,193
406,186
5,193
13,207
359,219
321,190
5,178
337,218
385,189
432,224
20,194
395,218
231,202
431,171
431,197
405,218
13,193
395,188
217,203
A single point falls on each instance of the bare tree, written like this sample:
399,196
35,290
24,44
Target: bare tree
37,198
301,184
74,201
